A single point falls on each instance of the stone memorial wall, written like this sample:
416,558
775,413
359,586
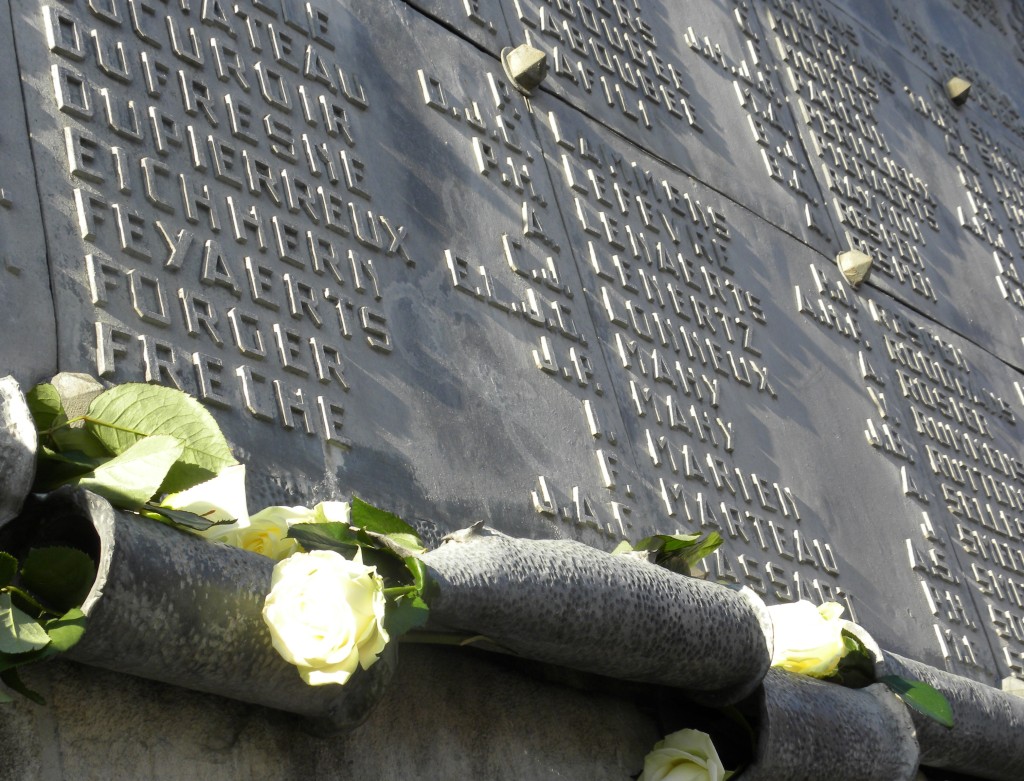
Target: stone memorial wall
602,310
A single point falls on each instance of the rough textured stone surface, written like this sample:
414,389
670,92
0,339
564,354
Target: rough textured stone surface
565,603
17,449
987,738
174,607
811,730
452,714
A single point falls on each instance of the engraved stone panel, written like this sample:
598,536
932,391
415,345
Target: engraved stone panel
336,231
958,410
604,311
481,21
978,41
696,86
28,348
920,184
751,380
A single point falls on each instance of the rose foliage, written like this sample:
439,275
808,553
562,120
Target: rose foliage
157,452
816,641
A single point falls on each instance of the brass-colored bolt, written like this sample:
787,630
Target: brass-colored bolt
525,67
855,265
958,90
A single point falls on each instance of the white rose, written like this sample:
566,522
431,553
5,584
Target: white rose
267,530
687,755
808,639
266,533
326,615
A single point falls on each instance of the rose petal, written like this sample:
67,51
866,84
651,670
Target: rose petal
808,640
325,615
686,755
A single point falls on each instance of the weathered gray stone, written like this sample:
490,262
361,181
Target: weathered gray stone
590,329
17,448
173,607
562,602
76,392
988,724
451,714
811,730
388,273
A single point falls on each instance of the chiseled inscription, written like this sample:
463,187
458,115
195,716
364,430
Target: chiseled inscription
234,245
981,13
491,122
883,206
10,263
608,50
981,485
474,15
659,261
999,219
1016,22
944,59
758,93
980,160
679,325
956,632
831,306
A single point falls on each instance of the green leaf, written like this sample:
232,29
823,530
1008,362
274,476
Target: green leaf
11,678
390,566
8,568
79,442
45,406
9,661
622,547
857,668
5,697
341,538
680,552
181,519
671,543
325,536
399,545
47,409
703,548
54,469
420,577
74,458
61,577
373,519
65,631
407,542
404,615
119,417
426,586
923,698
19,632
130,479
22,599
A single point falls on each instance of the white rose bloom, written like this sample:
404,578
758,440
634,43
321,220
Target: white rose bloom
808,639
326,615
687,755
267,531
